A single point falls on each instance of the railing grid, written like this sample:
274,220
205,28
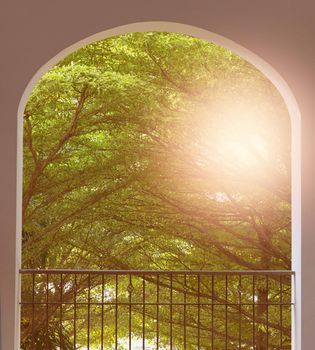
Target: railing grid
139,309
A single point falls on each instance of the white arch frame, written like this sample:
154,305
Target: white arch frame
248,55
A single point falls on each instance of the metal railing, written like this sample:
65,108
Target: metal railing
128,309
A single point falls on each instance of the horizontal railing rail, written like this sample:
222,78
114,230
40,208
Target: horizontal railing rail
156,309
158,272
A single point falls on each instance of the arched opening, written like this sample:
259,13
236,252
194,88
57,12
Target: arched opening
234,149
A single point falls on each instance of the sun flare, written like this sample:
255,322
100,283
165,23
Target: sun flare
236,134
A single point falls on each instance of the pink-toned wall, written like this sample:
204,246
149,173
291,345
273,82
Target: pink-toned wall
281,32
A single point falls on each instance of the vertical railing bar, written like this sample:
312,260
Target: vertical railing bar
33,308
240,311
75,313
60,308
254,315
281,315
226,312
212,312
198,276
116,312
157,309
89,311
47,298
130,300
171,312
292,299
267,311
102,320
185,300
143,312
159,313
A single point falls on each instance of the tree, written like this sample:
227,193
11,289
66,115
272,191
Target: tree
156,151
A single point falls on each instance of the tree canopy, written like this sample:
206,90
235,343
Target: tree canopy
156,151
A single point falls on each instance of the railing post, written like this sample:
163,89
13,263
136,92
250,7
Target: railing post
194,307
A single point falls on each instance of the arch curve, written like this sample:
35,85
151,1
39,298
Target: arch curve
278,81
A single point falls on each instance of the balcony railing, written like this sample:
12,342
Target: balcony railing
87,309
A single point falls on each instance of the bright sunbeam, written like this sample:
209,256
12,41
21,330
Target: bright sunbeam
237,134
244,149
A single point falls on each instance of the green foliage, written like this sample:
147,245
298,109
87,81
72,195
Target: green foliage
125,167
